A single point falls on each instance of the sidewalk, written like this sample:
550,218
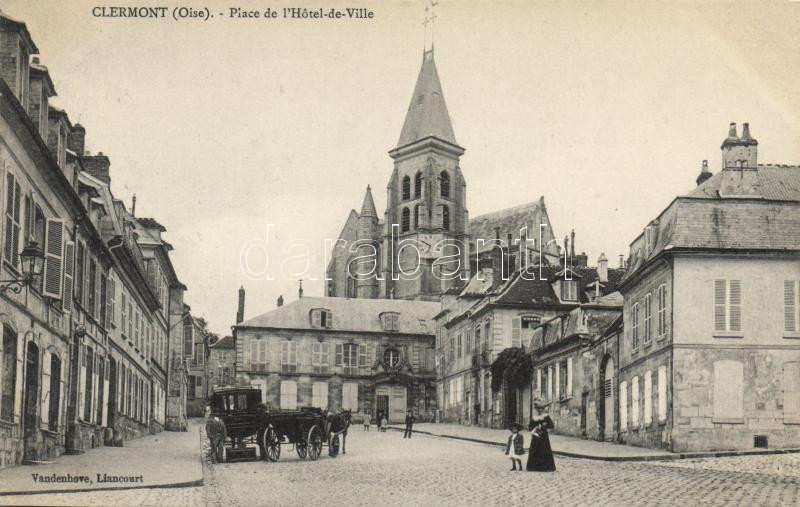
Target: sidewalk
166,460
573,447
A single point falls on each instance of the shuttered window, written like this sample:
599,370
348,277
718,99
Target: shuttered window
53,258
648,319
623,406
648,398
661,300
662,394
288,395
635,402
516,331
728,305
12,233
289,357
69,275
123,311
569,378
319,395
791,293
258,355
320,357
350,396
635,326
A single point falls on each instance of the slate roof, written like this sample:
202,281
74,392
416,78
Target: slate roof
427,114
368,207
357,315
151,223
519,291
704,220
510,221
223,343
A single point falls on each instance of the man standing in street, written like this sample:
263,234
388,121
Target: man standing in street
409,423
215,430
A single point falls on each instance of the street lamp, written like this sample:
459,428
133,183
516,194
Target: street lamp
31,261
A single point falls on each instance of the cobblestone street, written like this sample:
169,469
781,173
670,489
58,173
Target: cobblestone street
385,469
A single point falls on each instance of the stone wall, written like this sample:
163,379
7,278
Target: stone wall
657,433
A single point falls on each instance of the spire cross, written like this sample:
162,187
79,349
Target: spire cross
431,7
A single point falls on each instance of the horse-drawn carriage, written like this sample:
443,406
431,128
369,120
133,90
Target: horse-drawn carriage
252,430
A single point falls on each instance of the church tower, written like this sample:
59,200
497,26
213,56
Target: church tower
426,195
367,275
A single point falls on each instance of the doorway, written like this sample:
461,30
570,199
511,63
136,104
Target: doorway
30,400
382,406
607,403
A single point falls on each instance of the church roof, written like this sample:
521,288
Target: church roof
353,315
509,221
427,114
368,208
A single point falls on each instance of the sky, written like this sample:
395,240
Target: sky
224,126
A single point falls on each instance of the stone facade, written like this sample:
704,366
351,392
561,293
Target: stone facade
367,356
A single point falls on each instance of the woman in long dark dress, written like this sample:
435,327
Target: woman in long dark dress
540,455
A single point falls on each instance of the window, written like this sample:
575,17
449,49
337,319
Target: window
648,398
564,383
391,357
418,184
416,216
79,274
635,326
468,349
406,187
350,396
728,305
791,304
445,217
458,345
288,395
288,357
321,318
662,394
728,392
320,357
662,310
187,337
569,290
635,402
87,407
9,374
516,337
405,220
55,393
390,321
550,382
445,184
347,355
11,247
258,355
557,382
452,349
319,395
91,308
623,406
122,308
199,354
648,317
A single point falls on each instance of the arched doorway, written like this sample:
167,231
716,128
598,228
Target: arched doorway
606,405
30,400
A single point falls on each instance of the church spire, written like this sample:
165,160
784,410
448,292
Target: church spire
368,208
427,114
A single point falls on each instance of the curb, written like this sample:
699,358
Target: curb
658,457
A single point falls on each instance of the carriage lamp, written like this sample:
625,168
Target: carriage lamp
31,261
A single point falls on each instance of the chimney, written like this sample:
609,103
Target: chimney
572,243
133,204
602,268
705,173
621,261
300,290
580,261
280,300
739,152
76,139
240,309
98,166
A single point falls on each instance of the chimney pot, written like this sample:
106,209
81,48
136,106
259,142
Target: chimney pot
240,308
36,60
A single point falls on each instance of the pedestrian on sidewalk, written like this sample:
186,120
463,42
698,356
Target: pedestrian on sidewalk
215,430
515,448
367,421
540,455
409,423
384,423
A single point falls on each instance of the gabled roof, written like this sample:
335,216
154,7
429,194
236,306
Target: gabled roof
521,291
354,315
427,114
224,343
510,221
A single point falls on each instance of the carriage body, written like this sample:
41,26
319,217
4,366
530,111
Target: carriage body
244,416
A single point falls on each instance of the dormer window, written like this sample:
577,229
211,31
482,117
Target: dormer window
390,321
321,318
569,290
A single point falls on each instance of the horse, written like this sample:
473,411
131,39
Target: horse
338,422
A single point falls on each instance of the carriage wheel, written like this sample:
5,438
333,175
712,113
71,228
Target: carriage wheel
314,442
333,448
301,449
272,446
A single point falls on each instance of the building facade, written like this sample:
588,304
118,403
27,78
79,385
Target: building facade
710,356
221,363
367,356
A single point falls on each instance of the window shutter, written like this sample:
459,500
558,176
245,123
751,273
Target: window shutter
110,303
362,356
17,221
53,254
558,383
329,319
339,354
789,305
516,323
735,305
69,275
262,352
316,319
623,406
568,394
719,305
